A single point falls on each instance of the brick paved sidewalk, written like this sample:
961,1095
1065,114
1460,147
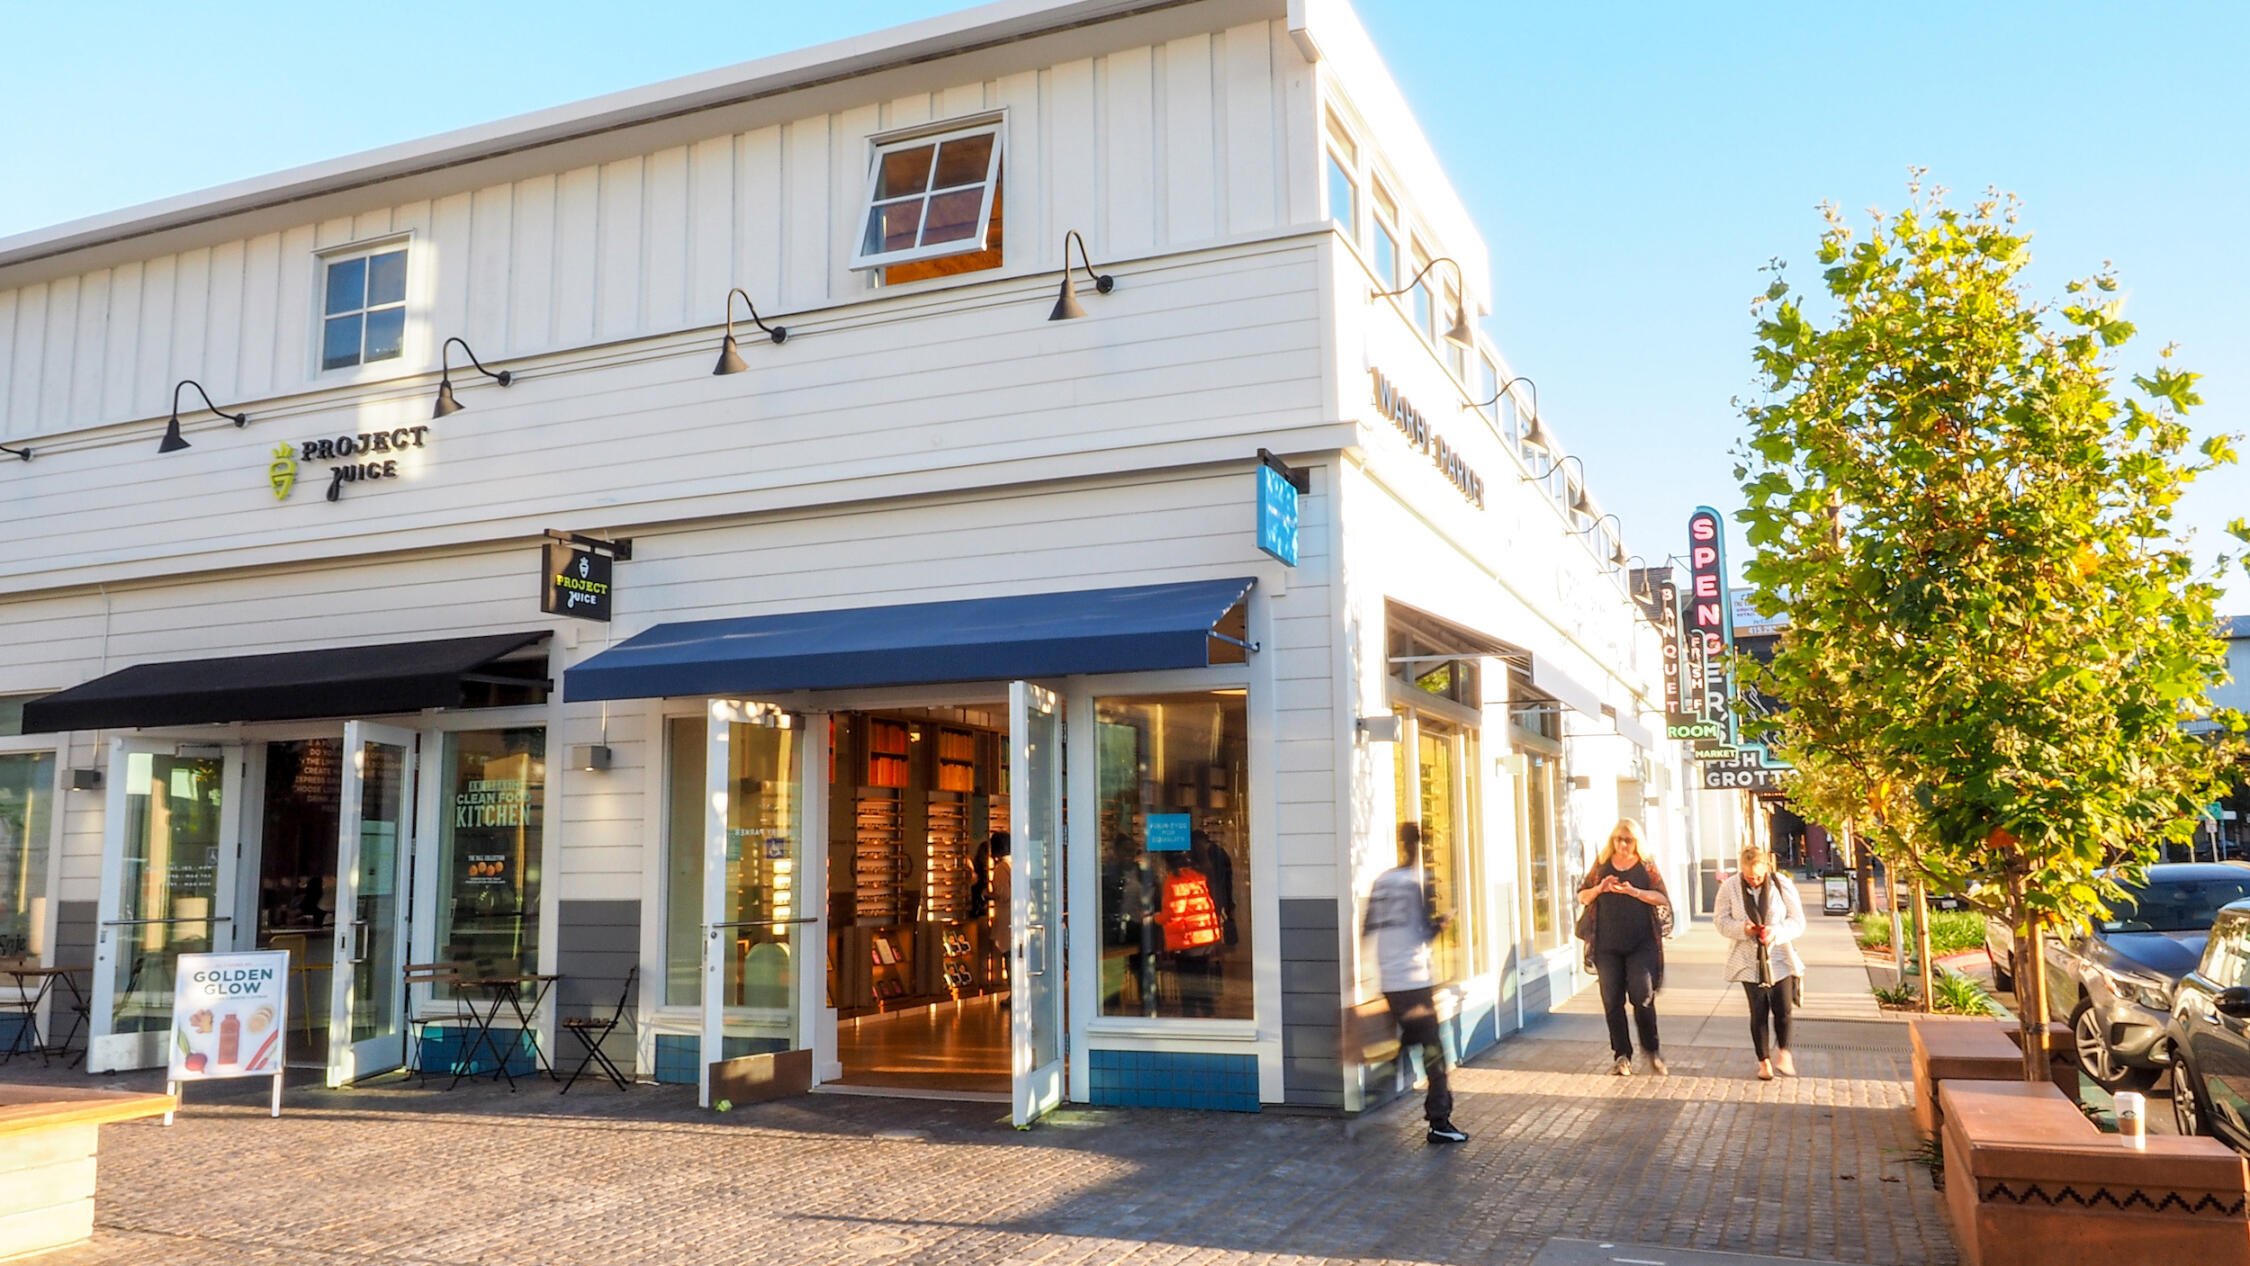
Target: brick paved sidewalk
1705,1159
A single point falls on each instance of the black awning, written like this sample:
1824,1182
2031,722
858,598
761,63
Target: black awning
339,681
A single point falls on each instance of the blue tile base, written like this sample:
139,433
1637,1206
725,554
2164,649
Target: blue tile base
1173,1079
677,1054
440,1052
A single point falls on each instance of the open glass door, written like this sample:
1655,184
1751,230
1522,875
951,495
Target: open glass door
756,909
168,859
367,1014
1035,898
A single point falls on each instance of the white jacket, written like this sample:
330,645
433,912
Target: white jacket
1399,920
1784,913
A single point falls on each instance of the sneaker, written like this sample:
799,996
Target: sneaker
1445,1132
1656,1065
1622,1068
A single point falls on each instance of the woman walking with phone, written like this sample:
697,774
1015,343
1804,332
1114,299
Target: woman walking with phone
1621,898
1758,910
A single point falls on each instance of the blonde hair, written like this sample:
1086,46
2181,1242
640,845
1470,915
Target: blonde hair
1631,830
1752,854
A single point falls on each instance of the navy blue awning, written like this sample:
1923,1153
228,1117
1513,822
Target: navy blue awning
1139,629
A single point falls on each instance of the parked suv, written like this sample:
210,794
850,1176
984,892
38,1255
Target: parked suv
2115,984
2209,1035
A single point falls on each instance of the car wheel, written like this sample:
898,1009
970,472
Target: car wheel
2097,1061
2003,979
2187,1097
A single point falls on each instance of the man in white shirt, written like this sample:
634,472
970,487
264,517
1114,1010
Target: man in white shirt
1402,919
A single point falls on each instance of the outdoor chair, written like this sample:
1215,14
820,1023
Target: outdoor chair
592,1031
436,975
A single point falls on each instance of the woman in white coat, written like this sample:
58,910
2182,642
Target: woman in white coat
1759,911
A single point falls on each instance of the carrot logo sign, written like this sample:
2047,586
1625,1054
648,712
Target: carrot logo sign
281,472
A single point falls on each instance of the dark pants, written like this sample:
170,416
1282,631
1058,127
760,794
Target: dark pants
1415,1011
1769,1001
1631,975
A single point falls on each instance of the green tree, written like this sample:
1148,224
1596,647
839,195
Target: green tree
1994,633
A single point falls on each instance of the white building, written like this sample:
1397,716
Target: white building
934,567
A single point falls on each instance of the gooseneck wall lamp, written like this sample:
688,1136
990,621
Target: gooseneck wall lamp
1579,501
24,453
173,441
446,404
1460,333
1066,304
730,357
1533,433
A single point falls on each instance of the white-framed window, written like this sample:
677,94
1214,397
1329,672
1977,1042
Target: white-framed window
1343,186
1488,386
931,196
1384,244
363,306
1456,356
1424,304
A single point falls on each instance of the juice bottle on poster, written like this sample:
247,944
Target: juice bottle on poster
230,1040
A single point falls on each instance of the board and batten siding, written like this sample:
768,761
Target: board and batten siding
1192,358
1145,150
1186,525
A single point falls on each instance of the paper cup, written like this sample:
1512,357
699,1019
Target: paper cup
2132,1118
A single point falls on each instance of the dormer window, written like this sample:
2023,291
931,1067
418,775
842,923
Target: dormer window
933,197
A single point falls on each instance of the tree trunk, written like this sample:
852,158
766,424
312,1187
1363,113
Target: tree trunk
1922,941
1898,928
2031,999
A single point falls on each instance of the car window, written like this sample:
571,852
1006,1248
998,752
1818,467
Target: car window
2188,905
2225,960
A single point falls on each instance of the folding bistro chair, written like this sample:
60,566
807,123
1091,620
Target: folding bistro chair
418,1024
592,1031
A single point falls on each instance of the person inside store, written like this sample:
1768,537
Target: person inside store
1403,921
1759,911
1000,888
1126,886
1620,902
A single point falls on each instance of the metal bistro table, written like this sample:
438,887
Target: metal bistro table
505,991
34,986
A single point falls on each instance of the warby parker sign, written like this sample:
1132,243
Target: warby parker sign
1709,613
351,459
575,582
1393,404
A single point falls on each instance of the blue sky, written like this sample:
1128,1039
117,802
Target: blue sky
1631,164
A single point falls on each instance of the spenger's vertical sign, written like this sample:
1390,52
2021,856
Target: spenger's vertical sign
1709,613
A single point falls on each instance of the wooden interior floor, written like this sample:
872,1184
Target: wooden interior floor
956,1046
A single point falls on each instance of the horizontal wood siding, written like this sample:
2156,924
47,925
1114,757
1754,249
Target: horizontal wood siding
1144,150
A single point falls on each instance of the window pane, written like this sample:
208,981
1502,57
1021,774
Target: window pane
1175,897
689,740
903,171
169,884
1343,199
386,333
1386,255
892,227
386,278
347,286
1423,310
967,161
758,893
339,343
490,849
27,805
1441,844
953,217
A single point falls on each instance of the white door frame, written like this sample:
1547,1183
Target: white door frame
1036,950
350,1061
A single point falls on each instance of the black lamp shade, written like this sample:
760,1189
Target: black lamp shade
446,404
173,441
1066,304
730,358
1461,335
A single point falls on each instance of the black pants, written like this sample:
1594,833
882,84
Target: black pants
1769,1001
1629,975
1415,1011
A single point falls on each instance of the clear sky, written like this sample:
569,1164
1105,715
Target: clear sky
1631,164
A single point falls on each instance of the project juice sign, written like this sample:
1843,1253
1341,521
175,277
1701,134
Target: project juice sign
229,1012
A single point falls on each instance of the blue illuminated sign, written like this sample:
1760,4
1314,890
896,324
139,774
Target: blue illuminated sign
1277,515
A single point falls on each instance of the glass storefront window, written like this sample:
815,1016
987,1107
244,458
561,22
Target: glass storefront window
1538,795
1441,798
27,805
688,739
1175,894
760,898
169,880
491,841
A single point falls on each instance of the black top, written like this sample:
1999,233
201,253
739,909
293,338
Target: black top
1622,922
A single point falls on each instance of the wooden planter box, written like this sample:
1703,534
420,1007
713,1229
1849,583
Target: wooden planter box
49,1141
2029,1181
